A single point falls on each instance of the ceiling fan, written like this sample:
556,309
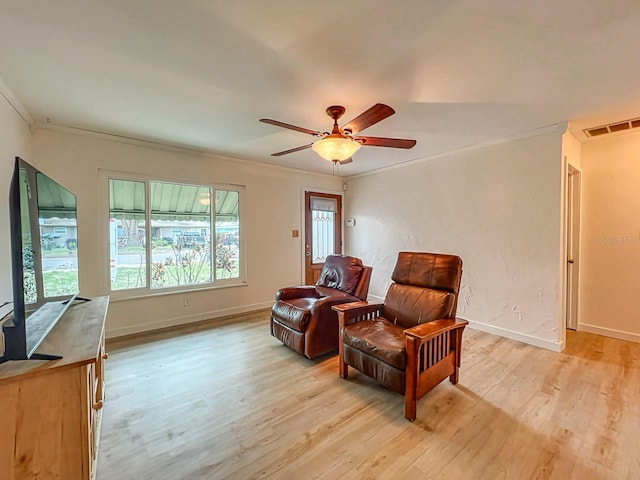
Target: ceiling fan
339,145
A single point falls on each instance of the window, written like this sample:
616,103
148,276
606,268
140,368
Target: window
166,235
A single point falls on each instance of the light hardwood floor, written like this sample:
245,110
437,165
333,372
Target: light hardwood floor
231,402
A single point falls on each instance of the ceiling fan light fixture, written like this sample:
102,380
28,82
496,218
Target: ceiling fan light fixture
336,148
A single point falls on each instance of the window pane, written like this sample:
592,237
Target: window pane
127,234
324,204
227,234
180,234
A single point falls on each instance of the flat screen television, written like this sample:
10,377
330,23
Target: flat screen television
44,260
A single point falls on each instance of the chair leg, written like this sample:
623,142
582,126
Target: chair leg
410,409
411,379
457,342
344,369
342,366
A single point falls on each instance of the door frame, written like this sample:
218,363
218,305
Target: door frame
572,183
303,230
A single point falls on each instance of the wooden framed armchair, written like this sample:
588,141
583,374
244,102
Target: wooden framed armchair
302,317
412,341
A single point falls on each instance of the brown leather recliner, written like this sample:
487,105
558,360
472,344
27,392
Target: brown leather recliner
302,317
412,341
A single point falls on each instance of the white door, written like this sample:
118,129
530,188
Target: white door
573,245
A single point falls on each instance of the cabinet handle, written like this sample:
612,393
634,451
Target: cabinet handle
98,405
105,355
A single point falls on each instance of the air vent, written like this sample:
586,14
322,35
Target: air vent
612,128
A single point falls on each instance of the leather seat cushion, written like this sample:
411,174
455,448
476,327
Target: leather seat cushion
379,338
293,313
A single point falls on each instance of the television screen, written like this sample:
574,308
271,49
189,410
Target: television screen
44,256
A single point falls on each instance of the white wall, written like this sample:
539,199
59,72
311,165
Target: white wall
610,259
497,207
15,141
273,209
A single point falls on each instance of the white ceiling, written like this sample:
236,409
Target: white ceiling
200,73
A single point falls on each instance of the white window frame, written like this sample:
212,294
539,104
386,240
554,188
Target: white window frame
241,280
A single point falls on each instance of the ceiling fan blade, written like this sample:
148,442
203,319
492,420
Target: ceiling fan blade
297,149
386,142
345,161
290,127
372,116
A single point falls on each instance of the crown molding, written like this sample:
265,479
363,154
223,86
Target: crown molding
15,103
166,147
559,128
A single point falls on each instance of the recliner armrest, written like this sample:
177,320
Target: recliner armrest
426,331
349,313
301,291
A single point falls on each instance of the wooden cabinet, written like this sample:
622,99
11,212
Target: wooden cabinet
50,411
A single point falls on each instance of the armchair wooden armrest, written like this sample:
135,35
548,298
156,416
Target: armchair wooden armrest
349,313
426,331
353,312
433,354
356,311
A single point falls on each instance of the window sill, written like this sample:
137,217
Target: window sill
120,296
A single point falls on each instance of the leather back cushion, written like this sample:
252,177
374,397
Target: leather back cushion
340,272
408,305
429,270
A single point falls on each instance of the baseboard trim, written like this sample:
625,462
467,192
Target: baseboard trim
609,332
112,333
521,337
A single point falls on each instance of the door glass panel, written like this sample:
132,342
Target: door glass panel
322,228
